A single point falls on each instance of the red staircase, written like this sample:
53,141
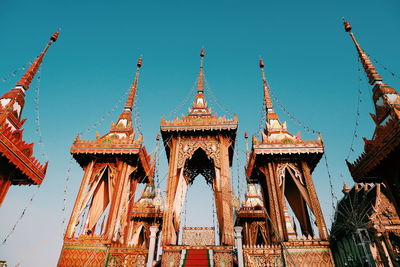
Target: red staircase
196,258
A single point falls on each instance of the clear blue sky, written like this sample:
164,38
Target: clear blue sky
311,65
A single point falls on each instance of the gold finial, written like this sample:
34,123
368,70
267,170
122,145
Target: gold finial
202,53
347,26
139,63
261,63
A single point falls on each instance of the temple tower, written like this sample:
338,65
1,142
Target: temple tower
101,228
18,166
198,143
380,160
282,163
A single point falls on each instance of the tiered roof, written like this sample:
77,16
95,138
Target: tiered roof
386,138
17,155
199,117
119,141
149,205
253,205
278,141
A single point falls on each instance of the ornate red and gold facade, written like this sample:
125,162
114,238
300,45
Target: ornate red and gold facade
199,143
367,226
107,227
281,165
380,160
18,166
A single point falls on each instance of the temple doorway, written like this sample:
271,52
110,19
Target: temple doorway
198,212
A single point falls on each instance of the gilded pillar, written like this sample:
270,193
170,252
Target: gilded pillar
316,208
79,199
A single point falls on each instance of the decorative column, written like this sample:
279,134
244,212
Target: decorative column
238,238
153,235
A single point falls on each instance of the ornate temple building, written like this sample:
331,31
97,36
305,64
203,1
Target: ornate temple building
110,227
366,229
380,161
107,227
199,143
281,164
280,221
18,166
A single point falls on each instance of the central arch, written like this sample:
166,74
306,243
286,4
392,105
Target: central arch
209,159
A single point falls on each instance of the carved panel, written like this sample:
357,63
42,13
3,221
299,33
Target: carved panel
318,256
83,254
171,258
128,260
187,149
223,259
198,236
281,172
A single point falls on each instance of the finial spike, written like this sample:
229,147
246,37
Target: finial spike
369,68
54,37
261,63
27,78
270,113
131,98
347,26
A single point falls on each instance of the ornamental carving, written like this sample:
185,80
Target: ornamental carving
273,257
171,258
187,149
281,172
198,236
98,169
223,259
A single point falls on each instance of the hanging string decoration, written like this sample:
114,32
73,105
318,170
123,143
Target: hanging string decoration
333,195
263,120
384,67
184,101
104,117
136,113
21,216
38,129
67,178
11,75
215,99
44,155
357,119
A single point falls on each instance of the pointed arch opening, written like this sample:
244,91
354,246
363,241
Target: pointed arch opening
95,207
298,214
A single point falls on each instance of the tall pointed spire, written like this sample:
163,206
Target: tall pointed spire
123,127
200,107
27,78
369,68
200,82
131,98
269,109
386,99
273,122
13,101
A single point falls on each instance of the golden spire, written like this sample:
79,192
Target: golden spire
131,98
199,104
269,109
369,68
200,82
27,78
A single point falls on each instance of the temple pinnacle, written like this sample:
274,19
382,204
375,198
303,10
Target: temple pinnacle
27,78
